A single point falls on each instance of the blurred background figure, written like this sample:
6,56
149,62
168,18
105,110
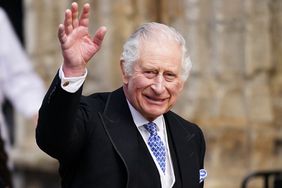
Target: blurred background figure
20,85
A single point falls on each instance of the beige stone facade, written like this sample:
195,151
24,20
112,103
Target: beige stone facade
234,91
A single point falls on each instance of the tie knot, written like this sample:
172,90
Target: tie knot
151,127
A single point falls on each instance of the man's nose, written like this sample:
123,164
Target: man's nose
159,84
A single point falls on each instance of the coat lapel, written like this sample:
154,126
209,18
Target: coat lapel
128,142
184,147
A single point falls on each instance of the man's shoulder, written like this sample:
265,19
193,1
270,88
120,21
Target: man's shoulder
100,96
98,100
177,117
186,124
95,100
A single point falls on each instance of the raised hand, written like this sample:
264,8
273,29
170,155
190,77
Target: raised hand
77,45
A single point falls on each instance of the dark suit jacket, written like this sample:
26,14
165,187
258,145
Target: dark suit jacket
98,146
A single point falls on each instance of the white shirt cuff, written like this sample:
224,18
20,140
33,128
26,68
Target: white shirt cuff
71,84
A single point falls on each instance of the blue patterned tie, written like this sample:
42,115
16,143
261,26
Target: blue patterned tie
156,144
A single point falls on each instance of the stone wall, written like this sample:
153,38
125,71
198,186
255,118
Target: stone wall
235,89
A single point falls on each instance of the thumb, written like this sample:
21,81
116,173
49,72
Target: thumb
99,36
62,34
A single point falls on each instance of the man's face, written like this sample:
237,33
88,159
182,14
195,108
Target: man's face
155,82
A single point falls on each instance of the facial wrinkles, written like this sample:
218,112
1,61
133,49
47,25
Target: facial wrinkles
158,83
154,82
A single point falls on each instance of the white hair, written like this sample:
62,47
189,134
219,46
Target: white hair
148,31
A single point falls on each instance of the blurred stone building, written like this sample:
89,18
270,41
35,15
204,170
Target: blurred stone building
234,91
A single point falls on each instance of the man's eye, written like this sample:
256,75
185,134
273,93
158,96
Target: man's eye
170,76
150,74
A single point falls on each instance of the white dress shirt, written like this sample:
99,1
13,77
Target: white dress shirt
72,84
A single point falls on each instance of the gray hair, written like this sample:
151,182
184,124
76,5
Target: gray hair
130,53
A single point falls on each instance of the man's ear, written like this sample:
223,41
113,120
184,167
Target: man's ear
124,75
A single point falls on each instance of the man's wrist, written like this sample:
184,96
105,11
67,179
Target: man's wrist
71,84
73,72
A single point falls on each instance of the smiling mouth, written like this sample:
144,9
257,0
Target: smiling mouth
154,100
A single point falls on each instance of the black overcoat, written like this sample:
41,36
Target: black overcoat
98,146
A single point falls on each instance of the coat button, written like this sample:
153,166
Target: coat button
66,83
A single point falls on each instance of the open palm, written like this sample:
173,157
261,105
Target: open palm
77,45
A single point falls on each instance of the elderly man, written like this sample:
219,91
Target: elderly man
128,137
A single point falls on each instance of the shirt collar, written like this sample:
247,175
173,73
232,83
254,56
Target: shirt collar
140,120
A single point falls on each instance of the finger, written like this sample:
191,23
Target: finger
62,34
74,10
84,18
99,36
68,22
